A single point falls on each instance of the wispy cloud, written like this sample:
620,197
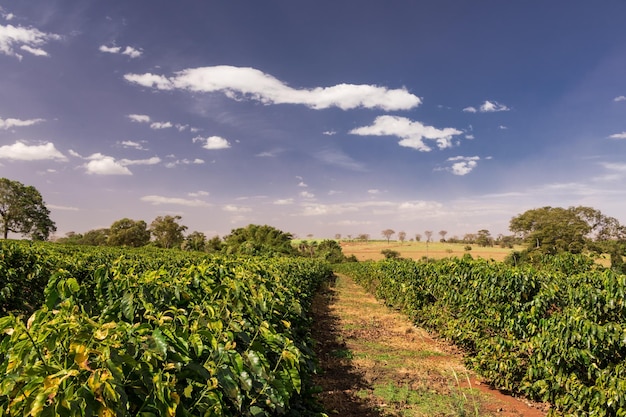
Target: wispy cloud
487,107
150,161
241,82
26,39
6,124
128,51
20,151
132,144
618,136
236,209
412,133
63,208
620,98
185,161
212,142
339,159
139,118
157,200
283,202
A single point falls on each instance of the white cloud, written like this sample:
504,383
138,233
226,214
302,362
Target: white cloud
613,166
20,151
620,98
157,200
618,136
196,161
150,161
502,127
283,202
302,184
34,51
212,142
470,137
240,83
463,165
198,194
105,165
306,194
161,125
373,191
139,118
150,80
329,133
10,123
128,51
27,39
132,144
269,154
412,133
489,107
236,209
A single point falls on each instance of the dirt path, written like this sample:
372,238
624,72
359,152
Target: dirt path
376,363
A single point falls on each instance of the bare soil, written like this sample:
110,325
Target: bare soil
375,362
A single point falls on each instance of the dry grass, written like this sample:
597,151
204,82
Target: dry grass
417,250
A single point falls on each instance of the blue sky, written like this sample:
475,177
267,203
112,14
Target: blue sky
317,117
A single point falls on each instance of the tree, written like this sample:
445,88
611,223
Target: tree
127,232
96,237
555,229
402,236
338,236
258,240
167,232
443,234
195,241
23,211
418,237
428,234
387,233
484,238
364,237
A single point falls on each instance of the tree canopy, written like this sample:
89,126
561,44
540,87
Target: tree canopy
167,232
258,240
23,211
127,232
552,230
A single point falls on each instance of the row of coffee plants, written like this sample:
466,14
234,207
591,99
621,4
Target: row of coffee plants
554,336
159,334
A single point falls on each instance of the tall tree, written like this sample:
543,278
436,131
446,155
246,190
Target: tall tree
387,233
195,241
429,235
167,232
556,229
258,240
443,234
23,211
402,236
127,232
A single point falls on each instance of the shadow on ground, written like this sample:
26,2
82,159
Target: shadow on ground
339,380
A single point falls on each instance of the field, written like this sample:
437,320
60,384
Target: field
416,250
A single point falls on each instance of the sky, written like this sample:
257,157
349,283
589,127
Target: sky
317,117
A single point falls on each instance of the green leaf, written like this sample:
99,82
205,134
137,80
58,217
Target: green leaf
128,309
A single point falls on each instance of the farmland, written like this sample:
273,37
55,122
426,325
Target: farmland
148,331
116,332
417,250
